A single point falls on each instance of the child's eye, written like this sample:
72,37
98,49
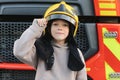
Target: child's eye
55,24
65,25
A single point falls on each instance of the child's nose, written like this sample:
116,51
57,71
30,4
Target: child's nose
60,28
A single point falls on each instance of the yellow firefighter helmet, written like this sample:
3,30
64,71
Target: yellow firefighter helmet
62,11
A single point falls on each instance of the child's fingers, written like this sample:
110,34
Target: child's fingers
42,22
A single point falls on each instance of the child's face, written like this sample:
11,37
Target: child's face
60,30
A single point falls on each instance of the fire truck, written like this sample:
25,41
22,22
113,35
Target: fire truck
98,36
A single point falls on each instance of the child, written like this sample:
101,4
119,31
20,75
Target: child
49,46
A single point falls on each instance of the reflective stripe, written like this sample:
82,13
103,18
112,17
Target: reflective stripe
112,44
107,5
112,57
88,69
108,70
108,12
106,0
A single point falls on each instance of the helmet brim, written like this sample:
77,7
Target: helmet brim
61,16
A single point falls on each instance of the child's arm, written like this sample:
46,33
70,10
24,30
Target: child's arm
82,74
24,48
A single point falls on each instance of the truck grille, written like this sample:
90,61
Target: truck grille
16,75
81,38
9,32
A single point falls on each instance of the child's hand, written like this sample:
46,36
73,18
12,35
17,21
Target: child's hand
42,22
